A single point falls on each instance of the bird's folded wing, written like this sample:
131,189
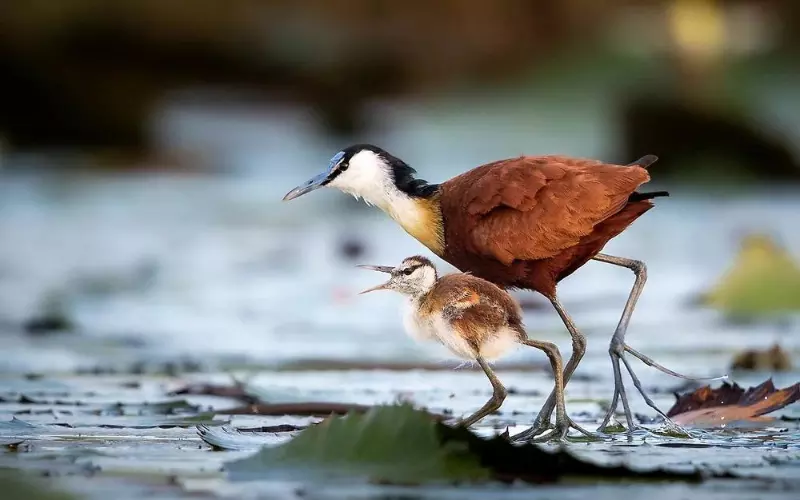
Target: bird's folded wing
531,208
467,300
459,300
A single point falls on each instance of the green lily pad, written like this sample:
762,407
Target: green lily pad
400,445
393,444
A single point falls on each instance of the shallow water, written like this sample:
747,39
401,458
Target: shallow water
171,279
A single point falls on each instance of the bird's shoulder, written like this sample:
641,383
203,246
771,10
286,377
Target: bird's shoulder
532,207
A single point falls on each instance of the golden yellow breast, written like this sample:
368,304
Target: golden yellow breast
424,222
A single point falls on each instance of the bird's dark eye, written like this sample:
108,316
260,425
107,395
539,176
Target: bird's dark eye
407,271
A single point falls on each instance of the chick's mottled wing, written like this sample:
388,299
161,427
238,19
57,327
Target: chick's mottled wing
474,307
531,208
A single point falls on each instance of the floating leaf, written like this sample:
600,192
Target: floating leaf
310,409
763,279
18,429
169,407
729,404
228,438
400,445
11,442
147,422
389,444
233,391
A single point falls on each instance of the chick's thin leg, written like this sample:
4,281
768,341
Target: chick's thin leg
498,396
563,422
542,422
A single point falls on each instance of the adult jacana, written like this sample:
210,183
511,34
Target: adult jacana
475,319
525,223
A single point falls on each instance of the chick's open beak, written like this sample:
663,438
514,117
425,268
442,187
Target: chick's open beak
382,286
383,269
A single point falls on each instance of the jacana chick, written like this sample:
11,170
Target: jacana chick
475,319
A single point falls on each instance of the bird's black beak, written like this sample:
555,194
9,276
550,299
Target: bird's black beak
383,269
312,184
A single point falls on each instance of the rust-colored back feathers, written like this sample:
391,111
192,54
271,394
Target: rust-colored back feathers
529,222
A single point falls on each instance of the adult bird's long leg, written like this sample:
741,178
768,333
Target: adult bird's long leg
542,422
498,395
617,346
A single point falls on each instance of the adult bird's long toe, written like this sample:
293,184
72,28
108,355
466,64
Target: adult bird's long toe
526,223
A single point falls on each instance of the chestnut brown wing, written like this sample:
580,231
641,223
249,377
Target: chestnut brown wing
532,208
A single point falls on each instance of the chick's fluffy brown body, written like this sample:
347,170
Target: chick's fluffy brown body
475,311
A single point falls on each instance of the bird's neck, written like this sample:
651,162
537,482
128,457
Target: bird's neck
417,297
421,217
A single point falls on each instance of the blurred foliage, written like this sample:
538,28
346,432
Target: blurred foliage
773,359
89,74
15,486
764,279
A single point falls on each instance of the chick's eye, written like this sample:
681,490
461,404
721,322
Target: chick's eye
407,271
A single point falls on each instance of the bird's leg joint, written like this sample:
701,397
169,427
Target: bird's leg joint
639,268
500,394
578,344
616,347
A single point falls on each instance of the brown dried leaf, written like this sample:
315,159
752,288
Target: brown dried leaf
730,403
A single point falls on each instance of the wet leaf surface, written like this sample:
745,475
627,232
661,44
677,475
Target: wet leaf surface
11,443
233,391
311,409
227,438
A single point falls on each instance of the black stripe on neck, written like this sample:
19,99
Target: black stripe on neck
406,182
